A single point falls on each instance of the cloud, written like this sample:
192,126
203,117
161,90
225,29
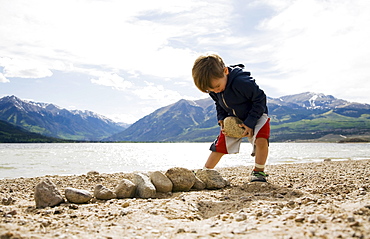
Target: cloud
24,68
316,45
3,78
153,38
113,80
158,93
127,118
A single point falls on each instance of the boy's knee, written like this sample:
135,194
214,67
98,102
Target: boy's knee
261,142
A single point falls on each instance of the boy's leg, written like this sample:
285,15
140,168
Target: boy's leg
213,159
261,154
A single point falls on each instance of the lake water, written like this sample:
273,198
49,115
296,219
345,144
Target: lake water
30,160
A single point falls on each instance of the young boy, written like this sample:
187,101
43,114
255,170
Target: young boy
235,94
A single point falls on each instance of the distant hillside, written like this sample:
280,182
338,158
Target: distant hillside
13,134
53,121
306,116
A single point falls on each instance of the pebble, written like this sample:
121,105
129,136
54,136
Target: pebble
74,195
47,195
300,218
125,189
182,178
212,178
144,187
322,218
7,201
103,193
162,183
241,217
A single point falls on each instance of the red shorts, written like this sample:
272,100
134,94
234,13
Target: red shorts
229,145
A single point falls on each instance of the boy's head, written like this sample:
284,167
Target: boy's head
209,73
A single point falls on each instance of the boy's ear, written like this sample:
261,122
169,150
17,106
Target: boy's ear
226,70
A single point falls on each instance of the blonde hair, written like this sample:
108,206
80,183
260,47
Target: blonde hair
206,68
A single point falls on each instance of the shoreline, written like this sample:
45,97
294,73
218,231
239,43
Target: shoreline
301,200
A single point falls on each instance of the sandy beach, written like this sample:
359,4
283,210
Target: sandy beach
312,200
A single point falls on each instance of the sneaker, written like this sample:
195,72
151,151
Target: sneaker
258,176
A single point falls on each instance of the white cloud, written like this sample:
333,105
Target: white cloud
24,68
133,36
318,46
113,80
126,118
3,78
158,93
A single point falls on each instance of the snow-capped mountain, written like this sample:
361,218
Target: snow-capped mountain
51,120
302,116
310,100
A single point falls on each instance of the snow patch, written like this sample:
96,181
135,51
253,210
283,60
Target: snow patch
312,100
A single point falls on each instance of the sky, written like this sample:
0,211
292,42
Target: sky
125,59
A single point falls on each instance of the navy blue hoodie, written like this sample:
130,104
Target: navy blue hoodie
241,98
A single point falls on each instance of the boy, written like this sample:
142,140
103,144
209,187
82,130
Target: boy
235,94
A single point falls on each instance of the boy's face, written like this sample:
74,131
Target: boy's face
219,84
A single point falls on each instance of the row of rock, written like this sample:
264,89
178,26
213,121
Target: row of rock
135,185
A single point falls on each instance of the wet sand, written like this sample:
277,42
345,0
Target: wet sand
311,200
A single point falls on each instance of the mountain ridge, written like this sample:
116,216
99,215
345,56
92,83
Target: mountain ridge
304,116
53,121
288,114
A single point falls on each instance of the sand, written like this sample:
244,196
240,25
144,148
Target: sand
313,200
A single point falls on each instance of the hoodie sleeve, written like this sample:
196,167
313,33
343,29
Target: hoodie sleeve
250,90
221,113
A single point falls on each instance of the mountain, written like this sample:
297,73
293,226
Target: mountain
14,134
53,121
183,121
305,116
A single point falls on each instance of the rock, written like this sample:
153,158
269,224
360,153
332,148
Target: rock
231,127
322,218
241,217
300,218
125,189
103,193
211,178
161,182
144,187
182,179
74,195
47,194
199,184
92,173
7,201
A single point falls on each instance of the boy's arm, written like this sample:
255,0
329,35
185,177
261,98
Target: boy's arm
258,98
221,113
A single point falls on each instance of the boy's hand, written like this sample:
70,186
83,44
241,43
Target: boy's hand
248,132
221,124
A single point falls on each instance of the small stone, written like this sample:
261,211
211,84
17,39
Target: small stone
211,178
299,218
7,201
161,182
322,218
241,217
311,219
199,184
47,194
103,193
181,230
350,219
144,187
125,189
182,179
74,195
92,173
